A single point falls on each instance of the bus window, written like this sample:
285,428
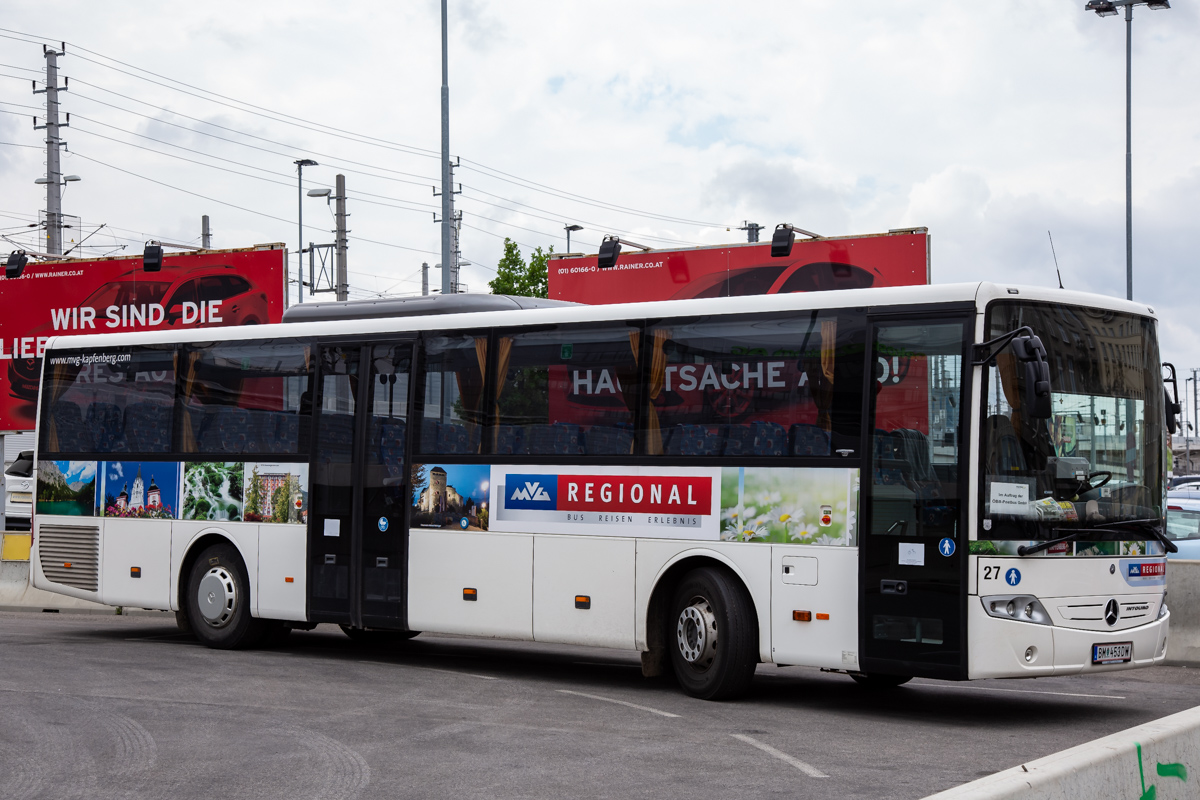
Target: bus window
453,391
566,390
762,386
242,397
115,401
916,440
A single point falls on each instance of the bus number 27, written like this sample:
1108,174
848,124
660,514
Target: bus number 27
991,573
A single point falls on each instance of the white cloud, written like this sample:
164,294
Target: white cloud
81,471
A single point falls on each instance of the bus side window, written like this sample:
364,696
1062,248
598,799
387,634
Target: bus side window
452,411
755,386
566,390
246,399
118,401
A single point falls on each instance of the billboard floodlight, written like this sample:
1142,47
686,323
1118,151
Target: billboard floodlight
610,248
15,264
784,237
152,258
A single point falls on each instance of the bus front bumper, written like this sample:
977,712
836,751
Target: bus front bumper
1001,648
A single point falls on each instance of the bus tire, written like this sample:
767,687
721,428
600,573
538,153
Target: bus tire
218,600
712,635
874,680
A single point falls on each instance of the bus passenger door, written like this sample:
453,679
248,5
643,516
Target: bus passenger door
332,503
360,486
914,547
385,487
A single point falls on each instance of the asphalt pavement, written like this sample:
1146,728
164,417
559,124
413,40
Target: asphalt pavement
126,707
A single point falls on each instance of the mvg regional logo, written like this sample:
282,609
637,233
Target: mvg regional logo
531,491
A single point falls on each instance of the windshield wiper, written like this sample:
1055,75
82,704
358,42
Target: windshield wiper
1143,526
1149,526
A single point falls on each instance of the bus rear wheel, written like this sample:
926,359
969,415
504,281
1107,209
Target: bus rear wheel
218,600
873,680
714,634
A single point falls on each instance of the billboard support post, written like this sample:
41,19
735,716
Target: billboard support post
3,488
205,233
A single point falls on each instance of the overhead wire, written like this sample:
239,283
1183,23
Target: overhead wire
478,166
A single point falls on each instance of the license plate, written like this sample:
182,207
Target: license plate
1116,653
21,497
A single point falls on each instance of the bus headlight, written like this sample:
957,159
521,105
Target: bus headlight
1021,607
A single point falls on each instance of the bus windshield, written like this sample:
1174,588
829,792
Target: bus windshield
1097,464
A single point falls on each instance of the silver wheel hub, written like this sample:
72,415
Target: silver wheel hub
696,633
217,597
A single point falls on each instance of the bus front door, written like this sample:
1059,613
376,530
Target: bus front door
360,487
914,548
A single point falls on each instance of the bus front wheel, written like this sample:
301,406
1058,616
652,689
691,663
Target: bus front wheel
714,634
218,600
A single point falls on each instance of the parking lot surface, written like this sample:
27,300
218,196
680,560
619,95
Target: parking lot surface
127,707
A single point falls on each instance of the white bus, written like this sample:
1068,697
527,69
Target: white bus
957,481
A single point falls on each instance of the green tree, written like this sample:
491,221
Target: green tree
254,497
517,277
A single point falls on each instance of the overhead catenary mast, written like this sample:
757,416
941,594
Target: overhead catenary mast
447,178
54,178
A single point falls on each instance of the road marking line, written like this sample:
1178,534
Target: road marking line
431,669
807,769
620,703
1026,691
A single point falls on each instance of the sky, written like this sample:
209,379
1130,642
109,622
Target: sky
670,123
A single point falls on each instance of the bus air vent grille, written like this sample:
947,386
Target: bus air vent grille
70,555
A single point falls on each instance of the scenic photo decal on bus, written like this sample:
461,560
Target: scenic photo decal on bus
789,506
148,489
212,490
67,488
276,492
451,496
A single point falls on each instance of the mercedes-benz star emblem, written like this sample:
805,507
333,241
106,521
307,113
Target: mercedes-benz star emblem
1112,612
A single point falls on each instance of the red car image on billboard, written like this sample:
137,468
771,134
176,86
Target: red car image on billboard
851,262
213,288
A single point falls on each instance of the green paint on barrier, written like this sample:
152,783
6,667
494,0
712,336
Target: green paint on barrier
1173,771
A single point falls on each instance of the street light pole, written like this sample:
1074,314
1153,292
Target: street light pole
568,229
1108,8
1129,152
300,165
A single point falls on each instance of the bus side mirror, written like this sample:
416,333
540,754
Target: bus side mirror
1173,408
1031,351
1173,412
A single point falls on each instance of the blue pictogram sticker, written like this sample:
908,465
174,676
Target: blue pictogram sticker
383,523
1012,577
946,547
463,523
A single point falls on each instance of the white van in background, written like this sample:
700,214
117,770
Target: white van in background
18,485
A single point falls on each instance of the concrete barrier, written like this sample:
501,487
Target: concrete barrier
1155,761
1183,598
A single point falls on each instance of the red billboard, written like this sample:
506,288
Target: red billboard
113,295
849,262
